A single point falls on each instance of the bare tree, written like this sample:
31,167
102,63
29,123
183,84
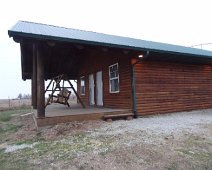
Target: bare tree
20,96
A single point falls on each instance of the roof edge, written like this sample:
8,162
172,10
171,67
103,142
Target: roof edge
170,48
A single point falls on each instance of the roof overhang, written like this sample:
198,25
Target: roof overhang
68,41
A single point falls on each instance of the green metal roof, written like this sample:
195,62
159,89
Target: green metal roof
49,32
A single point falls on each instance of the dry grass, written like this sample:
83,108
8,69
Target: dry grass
172,141
9,104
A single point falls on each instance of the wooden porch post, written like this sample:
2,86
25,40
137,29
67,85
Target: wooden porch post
34,77
40,84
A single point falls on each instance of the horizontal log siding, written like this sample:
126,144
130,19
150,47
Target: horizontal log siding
167,87
101,61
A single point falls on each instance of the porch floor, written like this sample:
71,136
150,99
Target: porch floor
57,113
75,109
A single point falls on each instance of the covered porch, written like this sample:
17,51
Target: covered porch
47,56
56,113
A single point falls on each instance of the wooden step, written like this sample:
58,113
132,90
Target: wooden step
118,112
109,117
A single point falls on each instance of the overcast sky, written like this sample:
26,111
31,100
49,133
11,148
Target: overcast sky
182,22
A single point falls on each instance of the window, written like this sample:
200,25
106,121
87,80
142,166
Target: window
114,78
82,85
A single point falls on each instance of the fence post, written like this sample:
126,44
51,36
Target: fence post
9,103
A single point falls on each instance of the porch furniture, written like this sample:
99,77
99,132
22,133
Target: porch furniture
62,97
64,92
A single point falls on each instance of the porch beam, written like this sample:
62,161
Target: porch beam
40,83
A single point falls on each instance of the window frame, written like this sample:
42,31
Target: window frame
82,78
114,79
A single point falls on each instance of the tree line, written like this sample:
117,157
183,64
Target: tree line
24,96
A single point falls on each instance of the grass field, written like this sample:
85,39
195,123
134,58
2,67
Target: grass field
172,142
9,104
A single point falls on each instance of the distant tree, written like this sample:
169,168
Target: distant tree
20,96
26,96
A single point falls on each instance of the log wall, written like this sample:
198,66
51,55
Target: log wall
99,60
169,87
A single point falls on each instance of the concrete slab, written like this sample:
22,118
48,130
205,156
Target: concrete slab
57,113
55,109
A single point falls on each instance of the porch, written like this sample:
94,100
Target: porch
57,113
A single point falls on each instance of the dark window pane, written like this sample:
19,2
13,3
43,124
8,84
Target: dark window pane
82,85
82,89
114,76
114,85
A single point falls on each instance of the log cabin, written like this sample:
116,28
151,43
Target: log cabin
115,72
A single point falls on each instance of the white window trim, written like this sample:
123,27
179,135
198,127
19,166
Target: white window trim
114,78
82,94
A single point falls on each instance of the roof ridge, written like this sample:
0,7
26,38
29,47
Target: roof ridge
43,24
86,31
118,36
91,37
65,27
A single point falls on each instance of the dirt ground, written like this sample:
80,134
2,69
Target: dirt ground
172,141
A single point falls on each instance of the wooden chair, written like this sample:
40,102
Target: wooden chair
62,97
64,93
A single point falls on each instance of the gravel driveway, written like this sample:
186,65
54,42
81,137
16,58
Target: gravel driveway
176,124
170,141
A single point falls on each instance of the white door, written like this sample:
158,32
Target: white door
99,89
91,89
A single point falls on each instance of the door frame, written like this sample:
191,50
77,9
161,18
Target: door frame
99,89
91,90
